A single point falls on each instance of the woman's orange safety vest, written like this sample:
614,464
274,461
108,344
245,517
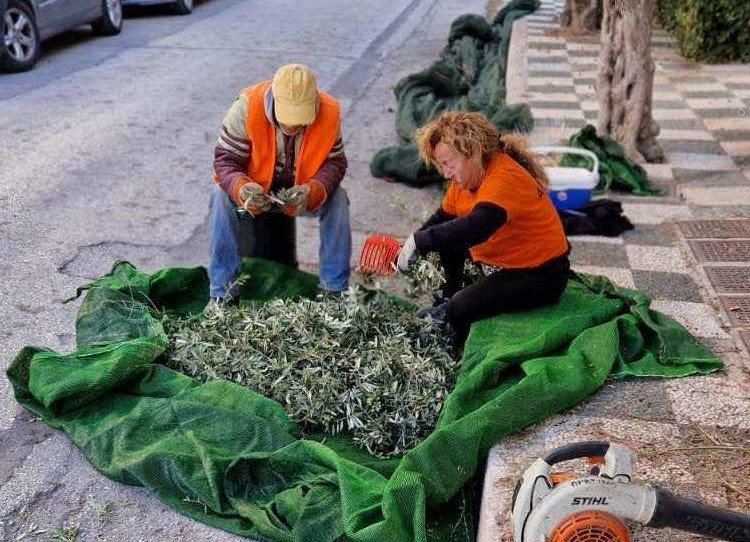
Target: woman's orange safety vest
533,233
317,140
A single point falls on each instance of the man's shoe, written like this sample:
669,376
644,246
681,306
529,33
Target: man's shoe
220,303
325,294
214,304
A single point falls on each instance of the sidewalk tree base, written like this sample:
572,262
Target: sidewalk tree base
625,79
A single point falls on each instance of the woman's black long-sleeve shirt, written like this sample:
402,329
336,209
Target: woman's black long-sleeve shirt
444,232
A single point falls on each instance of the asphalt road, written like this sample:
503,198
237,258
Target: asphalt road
106,154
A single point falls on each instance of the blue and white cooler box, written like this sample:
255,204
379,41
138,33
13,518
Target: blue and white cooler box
570,187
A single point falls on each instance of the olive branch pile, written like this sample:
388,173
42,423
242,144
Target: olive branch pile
335,363
426,275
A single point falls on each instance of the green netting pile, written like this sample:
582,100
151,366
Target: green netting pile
229,457
616,170
470,76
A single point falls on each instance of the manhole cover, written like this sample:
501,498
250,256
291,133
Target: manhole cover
721,251
729,280
738,309
717,229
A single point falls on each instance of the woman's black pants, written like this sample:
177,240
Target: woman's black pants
507,290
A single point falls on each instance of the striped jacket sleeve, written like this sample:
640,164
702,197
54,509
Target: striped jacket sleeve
232,149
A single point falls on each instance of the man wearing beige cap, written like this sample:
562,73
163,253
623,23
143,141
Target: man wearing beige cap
278,134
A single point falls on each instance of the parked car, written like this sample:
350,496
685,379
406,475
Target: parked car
179,7
26,23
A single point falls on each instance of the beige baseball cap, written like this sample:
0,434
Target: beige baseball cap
295,95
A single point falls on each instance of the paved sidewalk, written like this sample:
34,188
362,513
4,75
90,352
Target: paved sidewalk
690,250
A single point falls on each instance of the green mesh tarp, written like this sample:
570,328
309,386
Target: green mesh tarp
468,76
616,170
229,457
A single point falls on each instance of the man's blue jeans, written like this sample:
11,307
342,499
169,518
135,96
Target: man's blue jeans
224,257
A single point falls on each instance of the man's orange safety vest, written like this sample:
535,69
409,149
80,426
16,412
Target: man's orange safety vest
317,141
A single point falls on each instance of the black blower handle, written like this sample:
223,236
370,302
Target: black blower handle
575,450
695,517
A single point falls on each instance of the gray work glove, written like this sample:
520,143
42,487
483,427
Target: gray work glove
296,200
254,201
407,254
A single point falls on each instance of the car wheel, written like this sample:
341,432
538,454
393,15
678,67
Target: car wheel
182,7
110,23
21,45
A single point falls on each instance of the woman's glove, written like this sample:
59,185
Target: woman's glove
407,254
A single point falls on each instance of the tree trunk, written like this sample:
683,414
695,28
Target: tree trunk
582,15
625,79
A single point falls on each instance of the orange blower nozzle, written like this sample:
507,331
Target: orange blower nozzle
379,253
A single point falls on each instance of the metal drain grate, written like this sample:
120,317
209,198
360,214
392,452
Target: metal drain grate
715,229
729,280
738,309
721,251
745,336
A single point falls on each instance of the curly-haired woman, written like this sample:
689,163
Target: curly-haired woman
497,213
